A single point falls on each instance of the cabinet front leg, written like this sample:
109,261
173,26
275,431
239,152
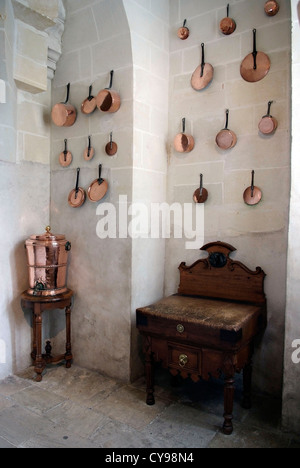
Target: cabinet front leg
247,381
39,362
228,405
68,355
149,369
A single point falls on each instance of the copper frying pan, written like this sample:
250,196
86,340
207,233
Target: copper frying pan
271,7
184,32
77,196
89,104
65,157
89,152
226,139
227,25
256,65
252,195
203,74
64,114
98,188
107,99
111,148
201,194
268,124
184,143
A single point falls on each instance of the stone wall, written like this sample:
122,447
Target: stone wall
259,233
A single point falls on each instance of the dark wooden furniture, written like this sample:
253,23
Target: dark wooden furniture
38,304
208,328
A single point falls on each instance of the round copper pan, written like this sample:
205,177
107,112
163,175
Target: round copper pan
108,100
77,196
271,8
203,75
252,195
256,65
226,139
184,32
111,148
184,143
89,104
64,114
227,25
65,157
201,194
89,152
98,188
268,124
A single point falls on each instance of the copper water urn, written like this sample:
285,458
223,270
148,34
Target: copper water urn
47,256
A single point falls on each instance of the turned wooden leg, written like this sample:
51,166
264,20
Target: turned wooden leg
39,362
247,380
228,404
34,346
150,379
68,355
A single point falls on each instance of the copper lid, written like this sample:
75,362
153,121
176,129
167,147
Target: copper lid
47,236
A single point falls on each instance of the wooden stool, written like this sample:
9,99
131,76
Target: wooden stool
38,304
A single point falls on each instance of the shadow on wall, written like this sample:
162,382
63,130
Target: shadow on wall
298,10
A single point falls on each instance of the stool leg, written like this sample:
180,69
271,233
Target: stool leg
228,405
247,381
68,355
39,363
34,345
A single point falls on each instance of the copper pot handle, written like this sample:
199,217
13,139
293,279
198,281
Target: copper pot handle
227,119
254,53
111,79
203,60
65,150
77,183
252,184
269,109
68,93
201,185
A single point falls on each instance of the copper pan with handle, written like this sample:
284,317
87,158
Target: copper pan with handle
89,104
89,152
268,124
203,75
226,139
201,194
65,157
64,114
227,25
183,32
107,99
77,196
184,143
256,65
253,194
98,188
271,7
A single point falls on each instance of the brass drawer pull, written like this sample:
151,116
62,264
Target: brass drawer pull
183,359
180,328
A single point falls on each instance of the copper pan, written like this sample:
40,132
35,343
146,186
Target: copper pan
107,99
65,157
184,143
89,152
184,32
201,194
226,139
98,188
227,25
256,65
203,74
89,104
77,196
268,124
64,114
252,195
111,148
271,7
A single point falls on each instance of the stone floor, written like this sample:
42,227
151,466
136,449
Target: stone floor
77,408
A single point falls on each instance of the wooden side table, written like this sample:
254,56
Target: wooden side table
38,304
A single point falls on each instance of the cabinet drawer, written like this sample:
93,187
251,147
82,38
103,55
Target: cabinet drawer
181,357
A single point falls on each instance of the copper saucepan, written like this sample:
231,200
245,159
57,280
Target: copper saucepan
227,25
89,152
111,148
256,65
201,194
77,196
89,104
98,188
65,157
271,7
107,99
252,195
203,74
184,32
226,139
64,114
184,143
268,124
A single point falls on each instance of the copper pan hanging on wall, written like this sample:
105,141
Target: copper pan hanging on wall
201,194
268,124
107,99
253,194
203,74
77,196
64,114
98,188
184,143
226,139
89,104
227,25
89,152
256,65
271,7
183,32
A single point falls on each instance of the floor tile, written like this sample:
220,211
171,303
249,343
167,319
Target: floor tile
12,384
4,444
37,399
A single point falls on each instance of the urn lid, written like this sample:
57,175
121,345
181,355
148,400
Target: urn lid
47,236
